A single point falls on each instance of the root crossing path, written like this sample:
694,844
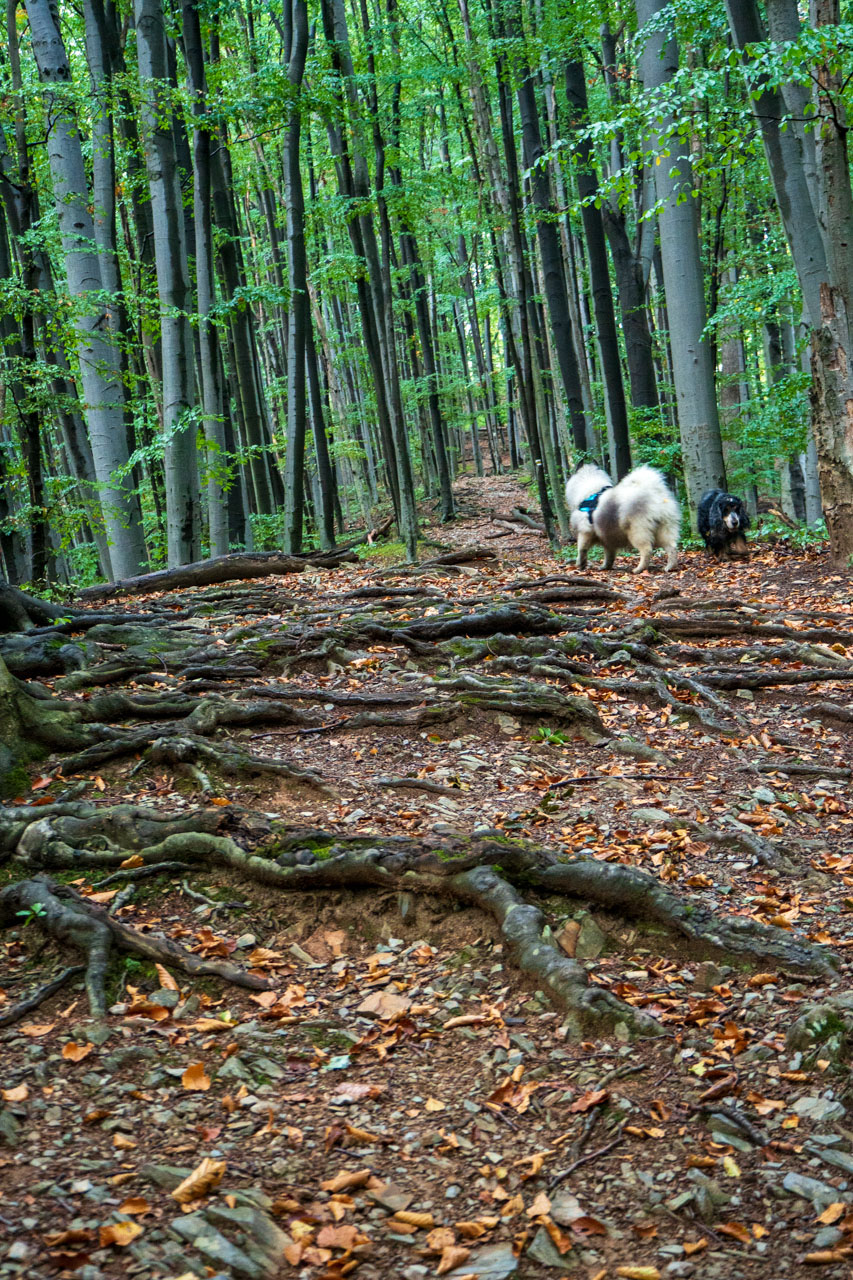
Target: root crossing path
448,910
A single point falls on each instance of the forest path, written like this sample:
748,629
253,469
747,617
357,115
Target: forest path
402,1101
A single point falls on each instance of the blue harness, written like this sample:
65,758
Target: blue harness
589,504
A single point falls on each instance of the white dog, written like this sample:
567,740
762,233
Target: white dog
638,512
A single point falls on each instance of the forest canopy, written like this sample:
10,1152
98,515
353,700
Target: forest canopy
273,272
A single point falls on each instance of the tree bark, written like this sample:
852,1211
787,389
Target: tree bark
213,405
100,367
693,370
297,278
183,524
599,273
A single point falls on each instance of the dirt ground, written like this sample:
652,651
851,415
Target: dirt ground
405,1102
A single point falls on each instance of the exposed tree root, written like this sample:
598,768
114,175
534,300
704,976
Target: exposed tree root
222,569
485,876
21,1008
88,928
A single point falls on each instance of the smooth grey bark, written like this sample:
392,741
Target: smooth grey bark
296,26
183,523
553,271
375,305
98,358
832,341
631,263
789,153
213,406
599,273
693,371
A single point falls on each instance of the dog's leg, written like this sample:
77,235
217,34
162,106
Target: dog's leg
609,557
645,558
671,559
584,544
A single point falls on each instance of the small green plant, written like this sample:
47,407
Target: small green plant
35,912
555,737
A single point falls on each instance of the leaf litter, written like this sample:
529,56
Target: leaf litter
453,1093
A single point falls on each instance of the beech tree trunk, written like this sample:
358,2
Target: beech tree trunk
599,275
98,357
183,522
693,370
298,317
832,343
213,405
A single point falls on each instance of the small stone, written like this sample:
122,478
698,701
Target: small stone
708,975
827,1237
494,1262
764,795
165,997
355,816
819,1193
452,1191
681,1268
19,1251
541,1250
817,1109
591,941
246,940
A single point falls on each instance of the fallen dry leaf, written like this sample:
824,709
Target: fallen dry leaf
588,1100
638,1273
118,1233
203,1179
135,1205
18,1094
453,1256
167,982
196,1078
36,1029
76,1052
344,1181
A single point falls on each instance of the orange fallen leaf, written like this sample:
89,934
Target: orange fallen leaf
203,1179
736,1230
134,1205
344,1181
638,1273
196,1078
76,1052
832,1213
588,1100
419,1220
118,1233
18,1094
167,982
121,1143
135,860
36,1029
434,1104
540,1205
694,1246
453,1256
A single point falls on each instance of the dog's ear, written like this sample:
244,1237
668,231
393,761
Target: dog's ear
744,515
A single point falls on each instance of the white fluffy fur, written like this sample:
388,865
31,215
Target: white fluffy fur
638,512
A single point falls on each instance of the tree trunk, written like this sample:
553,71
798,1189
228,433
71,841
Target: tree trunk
213,405
549,248
296,26
183,524
693,370
599,274
100,366
832,417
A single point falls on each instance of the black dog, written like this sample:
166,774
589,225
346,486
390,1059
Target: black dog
723,521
